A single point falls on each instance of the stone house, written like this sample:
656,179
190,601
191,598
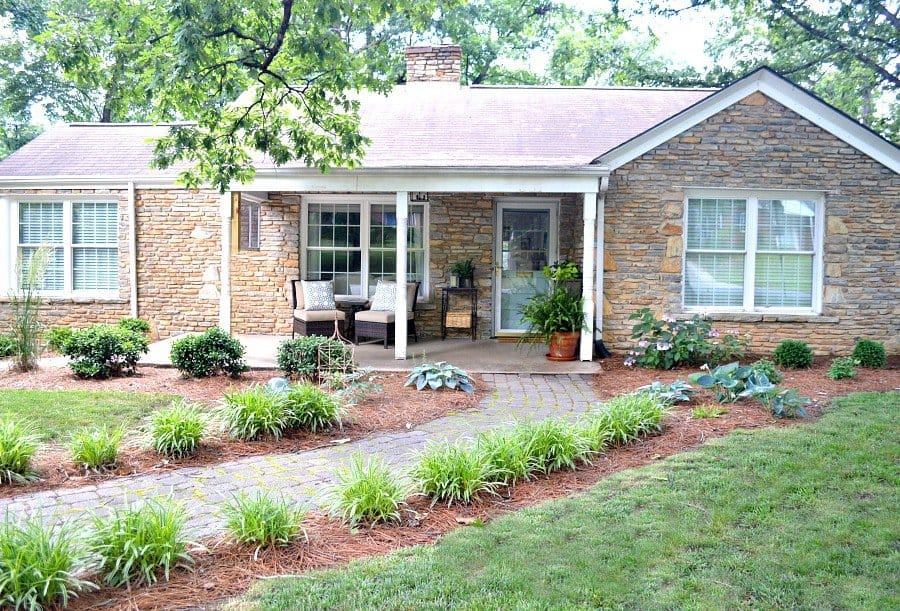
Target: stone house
756,204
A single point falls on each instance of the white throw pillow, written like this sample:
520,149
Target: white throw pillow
318,295
385,298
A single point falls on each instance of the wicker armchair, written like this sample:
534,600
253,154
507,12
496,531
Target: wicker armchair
311,322
381,324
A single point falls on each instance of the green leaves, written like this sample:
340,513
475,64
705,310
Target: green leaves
440,375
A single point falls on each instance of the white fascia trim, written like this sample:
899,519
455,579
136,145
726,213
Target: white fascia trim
87,182
777,88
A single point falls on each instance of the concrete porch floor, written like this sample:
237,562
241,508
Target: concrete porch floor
482,356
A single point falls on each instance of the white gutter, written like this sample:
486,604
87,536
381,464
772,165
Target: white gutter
132,252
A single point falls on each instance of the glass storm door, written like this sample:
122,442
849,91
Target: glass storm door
526,242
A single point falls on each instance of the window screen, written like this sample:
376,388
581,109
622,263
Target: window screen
248,226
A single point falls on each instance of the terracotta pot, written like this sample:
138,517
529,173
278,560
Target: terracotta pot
563,346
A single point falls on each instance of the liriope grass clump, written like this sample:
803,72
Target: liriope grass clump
263,520
135,544
255,412
96,449
309,408
368,491
624,418
18,445
177,430
40,566
507,454
554,444
455,473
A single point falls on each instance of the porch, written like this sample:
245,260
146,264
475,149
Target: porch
481,356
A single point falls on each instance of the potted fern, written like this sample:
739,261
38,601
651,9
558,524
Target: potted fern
557,316
464,271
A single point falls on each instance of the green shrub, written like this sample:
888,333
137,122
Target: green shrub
7,345
624,418
783,403
454,473
793,354
507,454
138,325
767,367
843,368
666,343
39,566
101,351
135,543
18,445
554,444
262,520
367,492
254,412
299,358
870,354
58,337
310,408
354,386
177,430
213,352
679,390
96,448
440,375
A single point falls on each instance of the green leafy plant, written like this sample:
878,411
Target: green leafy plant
299,358
40,565
729,381
18,445
7,345
463,269
708,411
666,343
793,354
507,454
843,368
135,543
554,444
558,310
97,448
58,337
263,520
213,352
101,351
367,492
254,412
138,325
177,430
440,375
870,354
454,473
679,390
26,307
354,386
784,403
768,368
623,419
310,408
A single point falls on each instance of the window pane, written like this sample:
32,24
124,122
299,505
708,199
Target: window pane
53,273
248,226
783,281
95,268
40,223
94,222
716,224
714,279
786,224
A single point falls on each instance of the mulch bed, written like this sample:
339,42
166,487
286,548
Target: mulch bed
394,408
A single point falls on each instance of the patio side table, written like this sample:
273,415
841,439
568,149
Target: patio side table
351,305
459,316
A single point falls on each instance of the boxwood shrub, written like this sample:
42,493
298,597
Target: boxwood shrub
870,354
101,351
793,354
7,345
135,324
299,358
213,352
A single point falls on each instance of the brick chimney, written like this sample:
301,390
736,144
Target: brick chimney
437,64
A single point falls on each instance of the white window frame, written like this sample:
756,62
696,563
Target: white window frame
365,203
752,197
68,246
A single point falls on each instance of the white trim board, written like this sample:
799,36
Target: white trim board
774,86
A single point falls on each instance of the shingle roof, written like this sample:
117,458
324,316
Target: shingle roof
416,126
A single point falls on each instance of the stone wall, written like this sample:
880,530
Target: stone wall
758,144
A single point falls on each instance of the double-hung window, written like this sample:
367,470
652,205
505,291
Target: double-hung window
353,242
755,253
82,239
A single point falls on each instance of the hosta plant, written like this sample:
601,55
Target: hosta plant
177,430
679,390
263,520
728,381
18,445
367,491
454,473
440,375
96,449
784,403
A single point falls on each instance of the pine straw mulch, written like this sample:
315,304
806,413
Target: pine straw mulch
227,569
393,408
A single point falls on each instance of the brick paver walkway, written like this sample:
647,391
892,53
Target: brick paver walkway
307,476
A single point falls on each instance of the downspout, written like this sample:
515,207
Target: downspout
599,254
132,252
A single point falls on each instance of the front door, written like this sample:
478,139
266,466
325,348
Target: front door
526,242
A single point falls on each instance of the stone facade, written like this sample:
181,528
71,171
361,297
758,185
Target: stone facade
758,144
433,64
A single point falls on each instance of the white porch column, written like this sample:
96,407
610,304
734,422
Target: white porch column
600,257
225,205
587,288
7,250
132,253
400,308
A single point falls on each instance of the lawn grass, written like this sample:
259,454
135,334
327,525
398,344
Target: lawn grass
55,414
804,516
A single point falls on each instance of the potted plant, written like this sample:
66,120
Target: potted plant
464,271
557,316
